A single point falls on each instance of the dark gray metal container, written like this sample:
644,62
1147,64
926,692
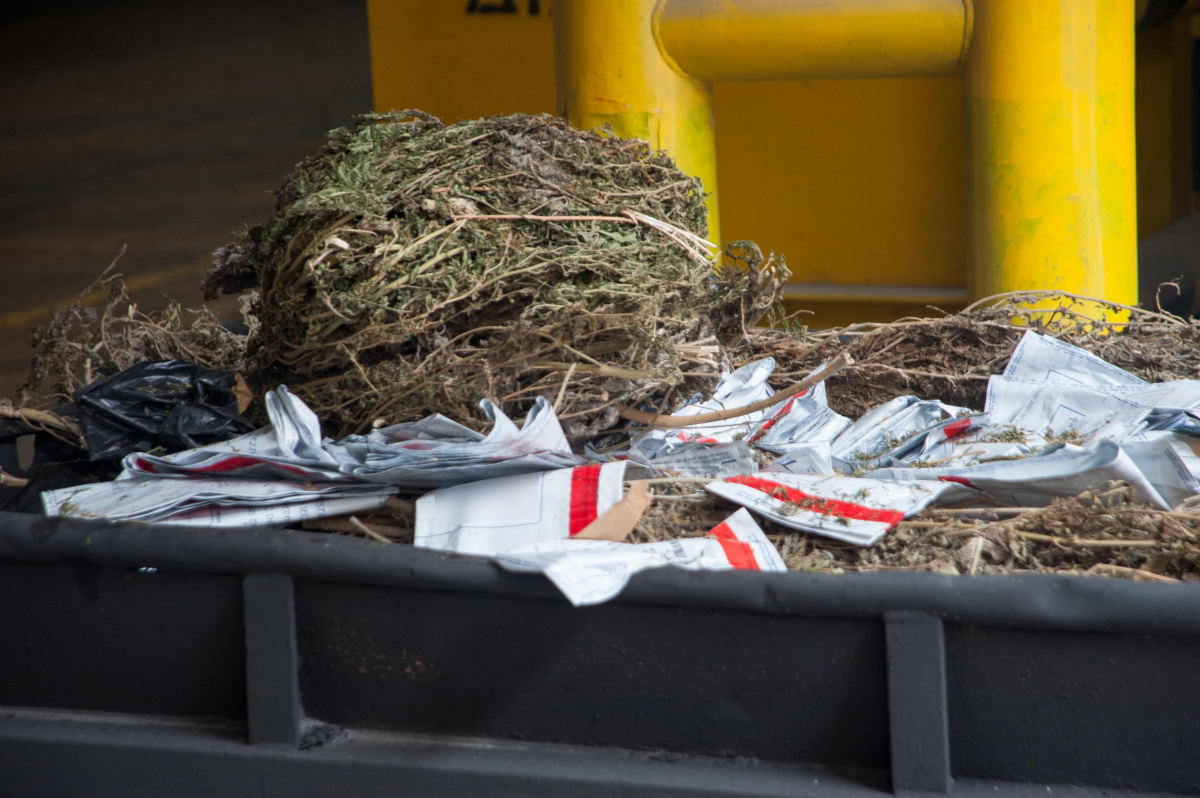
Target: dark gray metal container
142,660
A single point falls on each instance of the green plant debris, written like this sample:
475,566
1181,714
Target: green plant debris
387,288
1006,434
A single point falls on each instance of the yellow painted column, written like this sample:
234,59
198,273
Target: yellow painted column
609,68
1051,179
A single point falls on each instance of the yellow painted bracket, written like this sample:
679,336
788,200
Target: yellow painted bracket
1049,99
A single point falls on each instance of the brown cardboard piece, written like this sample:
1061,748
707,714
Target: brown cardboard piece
619,520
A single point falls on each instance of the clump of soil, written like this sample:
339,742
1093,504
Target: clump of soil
413,267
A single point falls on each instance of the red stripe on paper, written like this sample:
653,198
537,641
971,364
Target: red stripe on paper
957,428
222,465
585,484
739,554
773,420
816,504
958,480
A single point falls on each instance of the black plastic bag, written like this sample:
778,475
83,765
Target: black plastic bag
168,405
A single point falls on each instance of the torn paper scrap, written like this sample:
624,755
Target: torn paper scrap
227,502
495,515
431,428
1061,470
745,546
1048,360
431,462
290,449
433,452
1055,409
699,459
1168,461
594,571
739,388
964,441
277,515
811,458
857,511
798,422
869,440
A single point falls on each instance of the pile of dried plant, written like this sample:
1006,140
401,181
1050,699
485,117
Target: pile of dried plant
415,267
950,358
83,343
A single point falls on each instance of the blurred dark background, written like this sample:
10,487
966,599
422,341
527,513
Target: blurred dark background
160,125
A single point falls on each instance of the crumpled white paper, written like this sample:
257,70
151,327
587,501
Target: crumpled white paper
214,502
855,510
594,571
433,452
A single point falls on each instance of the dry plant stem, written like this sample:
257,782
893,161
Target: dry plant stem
562,391
366,530
1115,544
603,370
526,218
47,419
1104,569
661,421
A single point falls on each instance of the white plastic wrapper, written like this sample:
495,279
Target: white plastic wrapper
1036,481
885,428
433,452
858,511
594,571
495,515
213,502
739,388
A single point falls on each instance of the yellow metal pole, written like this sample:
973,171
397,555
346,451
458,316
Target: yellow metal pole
727,40
1051,181
608,68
